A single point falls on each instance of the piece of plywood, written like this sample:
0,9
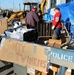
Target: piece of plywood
24,54
3,25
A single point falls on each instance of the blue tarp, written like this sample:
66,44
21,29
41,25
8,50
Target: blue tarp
67,11
48,16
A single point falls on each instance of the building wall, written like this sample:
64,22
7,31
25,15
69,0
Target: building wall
53,3
60,1
57,2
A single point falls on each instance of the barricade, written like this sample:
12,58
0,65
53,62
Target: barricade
44,29
33,58
3,25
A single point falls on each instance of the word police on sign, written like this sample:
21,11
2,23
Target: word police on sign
63,57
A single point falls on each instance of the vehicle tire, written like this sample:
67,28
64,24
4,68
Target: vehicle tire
14,20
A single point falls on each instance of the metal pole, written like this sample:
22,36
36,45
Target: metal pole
19,7
62,70
13,5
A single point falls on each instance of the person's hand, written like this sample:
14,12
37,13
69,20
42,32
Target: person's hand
53,27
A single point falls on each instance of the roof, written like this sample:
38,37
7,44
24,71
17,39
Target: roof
30,2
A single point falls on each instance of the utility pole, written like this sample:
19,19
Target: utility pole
19,6
0,5
13,5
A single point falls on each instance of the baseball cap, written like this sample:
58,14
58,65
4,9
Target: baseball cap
56,8
34,8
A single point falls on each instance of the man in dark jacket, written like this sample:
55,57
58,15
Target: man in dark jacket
31,18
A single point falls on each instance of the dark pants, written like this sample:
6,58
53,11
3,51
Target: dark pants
57,33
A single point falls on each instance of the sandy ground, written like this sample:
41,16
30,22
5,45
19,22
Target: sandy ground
6,69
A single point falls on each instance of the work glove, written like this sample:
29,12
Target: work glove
53,27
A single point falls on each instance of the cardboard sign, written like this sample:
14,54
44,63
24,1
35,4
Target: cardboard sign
37,58
24,54
3,25
7,51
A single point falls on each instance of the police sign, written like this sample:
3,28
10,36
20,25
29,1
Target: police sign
62,57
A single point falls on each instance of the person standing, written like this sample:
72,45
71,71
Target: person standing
32,19
40,16
56,23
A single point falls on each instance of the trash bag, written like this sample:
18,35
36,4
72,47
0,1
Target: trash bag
30,36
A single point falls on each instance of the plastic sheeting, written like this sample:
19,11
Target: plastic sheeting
67,11
48,16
